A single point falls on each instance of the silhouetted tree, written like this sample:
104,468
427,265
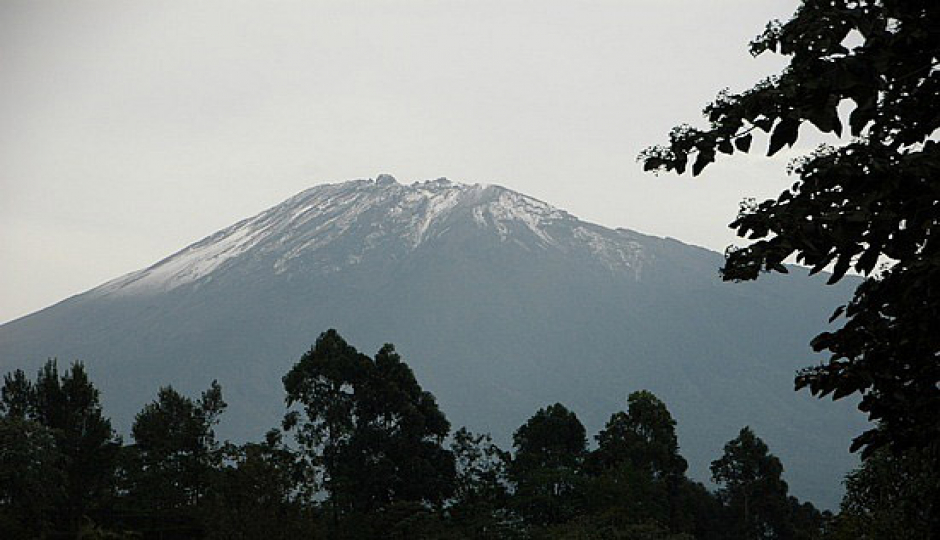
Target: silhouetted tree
374,436
481,491
872,201
547,466
752,488
31,478
644,436
639,475
168,470
17,397
68,407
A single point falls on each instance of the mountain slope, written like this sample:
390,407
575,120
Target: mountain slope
500,302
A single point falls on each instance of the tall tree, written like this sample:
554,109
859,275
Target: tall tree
368,428
31,478
400,431
17,397
68,406
640,472
481,494
323,382
752,487
871,204
644,436
547,465
169,467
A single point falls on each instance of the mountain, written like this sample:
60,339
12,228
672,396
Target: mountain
501,303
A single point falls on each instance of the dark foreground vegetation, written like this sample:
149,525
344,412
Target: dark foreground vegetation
868,202
372,456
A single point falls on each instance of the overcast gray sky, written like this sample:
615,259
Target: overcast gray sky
129,130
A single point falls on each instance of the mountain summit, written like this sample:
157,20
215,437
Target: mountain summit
500,302
332,227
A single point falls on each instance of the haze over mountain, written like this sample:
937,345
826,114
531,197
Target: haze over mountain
501,303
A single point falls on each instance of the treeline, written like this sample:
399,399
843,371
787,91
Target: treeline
370,455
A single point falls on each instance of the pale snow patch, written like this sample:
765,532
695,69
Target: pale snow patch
192,263
437,204
532,213
615,254
478,216
301,211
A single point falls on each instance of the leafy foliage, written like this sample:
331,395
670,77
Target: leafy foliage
892,497
480,504
754,493
374,436
67,408
644,437
873,200
167,473
31,478
256,493
175,438
638,474
547,465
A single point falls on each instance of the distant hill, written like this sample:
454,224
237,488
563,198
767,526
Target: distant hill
501,303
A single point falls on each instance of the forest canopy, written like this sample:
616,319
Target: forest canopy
372,456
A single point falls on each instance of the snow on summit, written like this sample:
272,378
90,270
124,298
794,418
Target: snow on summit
332,226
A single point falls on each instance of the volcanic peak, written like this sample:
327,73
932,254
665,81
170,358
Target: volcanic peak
331,226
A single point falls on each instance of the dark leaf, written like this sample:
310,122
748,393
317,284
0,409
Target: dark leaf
703,159
843,390
821,341
859,118
835,314
866,263
842,266
784,134
681,161
651,164
827,120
